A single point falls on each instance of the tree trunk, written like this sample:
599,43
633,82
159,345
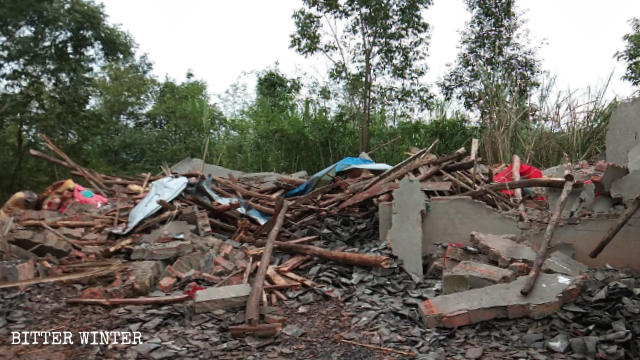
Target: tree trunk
18,158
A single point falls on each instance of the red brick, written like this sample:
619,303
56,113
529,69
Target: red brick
219,260
241,264
479,315
543,310
456,319
166,283
273,319
519,268
173,272
601,166
93,293
517,311
225,249
235,280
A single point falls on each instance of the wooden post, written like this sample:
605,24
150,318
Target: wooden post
252,313
5,242
474,157
548,234
204,156
515,174
635,205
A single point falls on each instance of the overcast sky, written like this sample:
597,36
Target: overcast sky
220,40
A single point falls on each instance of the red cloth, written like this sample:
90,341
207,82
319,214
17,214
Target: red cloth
526,172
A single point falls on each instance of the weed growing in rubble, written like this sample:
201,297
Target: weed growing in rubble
541,128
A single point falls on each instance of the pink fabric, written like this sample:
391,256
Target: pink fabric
94,200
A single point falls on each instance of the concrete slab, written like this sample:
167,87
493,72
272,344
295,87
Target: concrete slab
190,165
193,261
612,174
602,205
622,252
634,158
627,187
473,275
500,301
161,251
405,234
584,200
623,133
143,275
384,219
452,220
223,297
174,227
561,263
41,243
502,249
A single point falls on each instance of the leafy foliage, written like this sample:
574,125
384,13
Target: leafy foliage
68,74
494,56
631,53
51,50
377,49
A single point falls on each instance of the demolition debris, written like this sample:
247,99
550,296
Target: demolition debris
392,260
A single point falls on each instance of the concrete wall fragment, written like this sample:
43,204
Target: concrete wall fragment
453,219
405,234
623,133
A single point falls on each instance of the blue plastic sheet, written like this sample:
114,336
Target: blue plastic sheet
345,164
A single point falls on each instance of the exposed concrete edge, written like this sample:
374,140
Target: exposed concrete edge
432,318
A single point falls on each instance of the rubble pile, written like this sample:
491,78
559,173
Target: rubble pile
434,257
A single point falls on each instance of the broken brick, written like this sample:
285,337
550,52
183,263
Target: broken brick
12,271
223,297
499,301
93,293
502,249
166,283
227,265
471,275
161,251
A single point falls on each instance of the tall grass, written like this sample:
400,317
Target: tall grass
544,126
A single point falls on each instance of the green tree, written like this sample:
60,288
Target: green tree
181,120
51,51
495,57
376,47
631,53
123,94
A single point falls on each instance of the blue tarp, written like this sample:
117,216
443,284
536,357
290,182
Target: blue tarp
342,165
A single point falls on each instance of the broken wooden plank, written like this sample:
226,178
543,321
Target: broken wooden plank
435,186
368,193
261,330
400,167
131,301
75,276
293,262
611,233
539,182
252,314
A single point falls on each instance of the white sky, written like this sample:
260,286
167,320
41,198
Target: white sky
219,40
